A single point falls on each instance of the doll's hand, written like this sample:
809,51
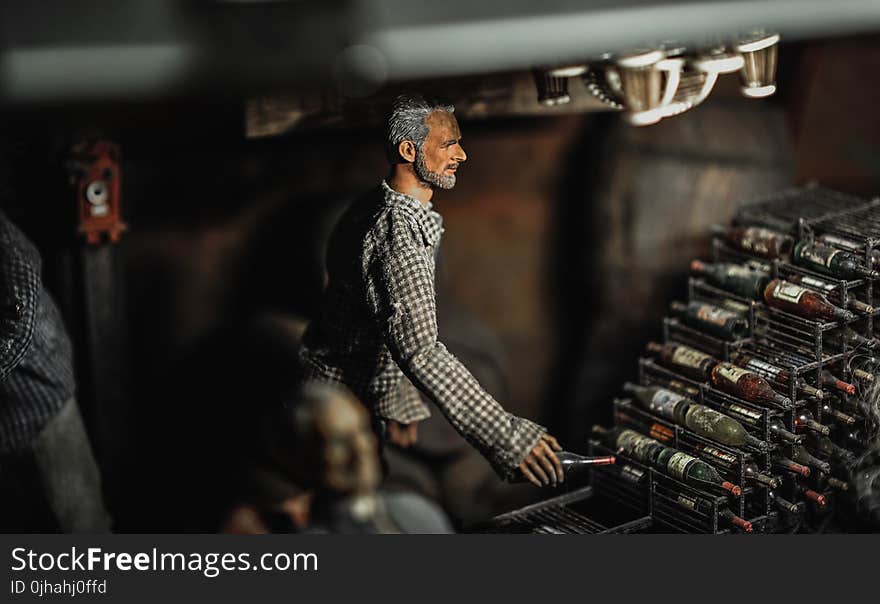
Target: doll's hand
541,466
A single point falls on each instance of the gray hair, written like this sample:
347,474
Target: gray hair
289,432
312,397
407,122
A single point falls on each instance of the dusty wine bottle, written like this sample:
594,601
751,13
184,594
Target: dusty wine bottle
814,496
683,359
755,240
707,422
734,278
803,302
714,320
826,288
754,475
826,378
778,430
727,462
632,474
704,506
703,420
746,385
654,429
717,457
660,401
750,417
772,372
831,261
693,471
850,246
837,415
686,389
804,420
638,446
784,463
800,455
734,306
784,504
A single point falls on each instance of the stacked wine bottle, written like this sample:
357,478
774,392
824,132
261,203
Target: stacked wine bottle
752,412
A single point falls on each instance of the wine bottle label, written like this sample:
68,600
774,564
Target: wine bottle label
687,502
661,432
847,244
678,463
720,455
688,357
736,271
628,438
642,449
759,266
634,443
751,416
817,284
663,403
737,307
820,256
757,240
789,292
762,367
731,373
713,314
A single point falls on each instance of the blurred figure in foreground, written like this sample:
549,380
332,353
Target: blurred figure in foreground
49,480
319,473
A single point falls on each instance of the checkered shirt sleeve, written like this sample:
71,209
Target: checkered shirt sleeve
400,293
19,291
409,406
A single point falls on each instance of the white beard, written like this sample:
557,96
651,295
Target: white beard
432,178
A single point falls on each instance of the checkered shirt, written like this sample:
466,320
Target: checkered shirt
36,368
377,333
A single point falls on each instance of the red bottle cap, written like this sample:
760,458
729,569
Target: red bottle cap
817,497
743,524
845,387
734,489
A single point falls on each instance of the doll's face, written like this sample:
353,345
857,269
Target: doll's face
349,452
441,153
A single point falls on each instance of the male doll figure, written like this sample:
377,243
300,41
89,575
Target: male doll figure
377,332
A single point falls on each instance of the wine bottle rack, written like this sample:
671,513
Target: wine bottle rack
803,348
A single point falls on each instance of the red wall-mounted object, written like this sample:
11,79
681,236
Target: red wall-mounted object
97,181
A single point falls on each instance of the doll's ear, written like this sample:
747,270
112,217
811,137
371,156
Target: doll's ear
407,151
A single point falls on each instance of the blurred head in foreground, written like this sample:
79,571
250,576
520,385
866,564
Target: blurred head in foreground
325,442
